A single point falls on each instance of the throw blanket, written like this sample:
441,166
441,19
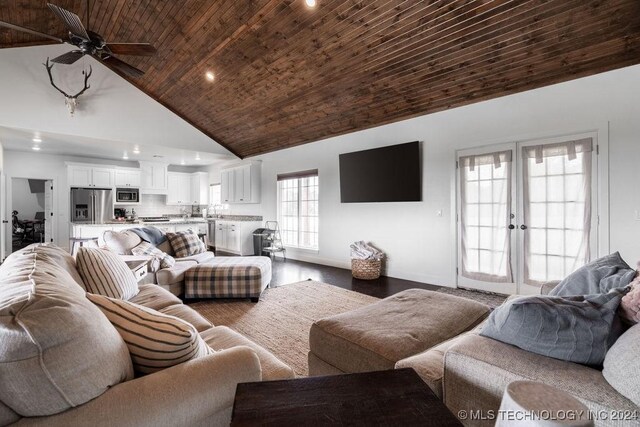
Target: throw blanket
153,235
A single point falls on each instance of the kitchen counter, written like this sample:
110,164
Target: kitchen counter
141,223
247,218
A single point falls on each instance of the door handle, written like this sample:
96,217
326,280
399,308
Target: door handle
5,222
511,226
523,227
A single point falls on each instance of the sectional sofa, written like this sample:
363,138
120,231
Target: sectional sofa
62,363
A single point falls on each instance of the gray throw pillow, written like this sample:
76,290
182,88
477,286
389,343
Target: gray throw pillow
578,329
622,364
597,277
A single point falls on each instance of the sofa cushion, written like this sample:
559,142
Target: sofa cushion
597,277
577,329
201,258
155,340
58,350
478,369
175,274
186,243
376,336
146,248
105,273
430,364
187,314
155,297
622,365
221,338
121,242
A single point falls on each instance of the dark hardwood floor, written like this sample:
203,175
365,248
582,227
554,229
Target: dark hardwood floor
290,271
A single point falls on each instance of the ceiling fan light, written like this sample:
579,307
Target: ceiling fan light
209,76
310,3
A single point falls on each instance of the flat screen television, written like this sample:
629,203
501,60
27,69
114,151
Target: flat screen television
387,174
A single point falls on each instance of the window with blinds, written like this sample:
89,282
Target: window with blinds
298,209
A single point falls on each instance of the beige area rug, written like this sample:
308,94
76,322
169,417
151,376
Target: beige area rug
281,320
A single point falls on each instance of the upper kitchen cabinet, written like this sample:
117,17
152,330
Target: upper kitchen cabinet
241,184
128,178
179,189
90,176
200,188
188,188
153,177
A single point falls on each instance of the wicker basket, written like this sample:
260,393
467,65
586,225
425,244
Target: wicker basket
365,269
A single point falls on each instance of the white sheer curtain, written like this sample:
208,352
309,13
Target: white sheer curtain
485,191
557,209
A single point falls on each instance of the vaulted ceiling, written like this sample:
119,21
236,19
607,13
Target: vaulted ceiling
287,75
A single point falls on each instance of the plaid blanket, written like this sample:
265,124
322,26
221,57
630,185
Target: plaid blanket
228,277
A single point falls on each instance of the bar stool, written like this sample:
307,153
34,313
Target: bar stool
80,242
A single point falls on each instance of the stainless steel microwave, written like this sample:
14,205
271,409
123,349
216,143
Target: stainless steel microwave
127,195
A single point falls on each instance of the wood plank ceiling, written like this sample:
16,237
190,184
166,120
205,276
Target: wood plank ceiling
287,75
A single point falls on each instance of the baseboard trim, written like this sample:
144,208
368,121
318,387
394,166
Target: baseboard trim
415,277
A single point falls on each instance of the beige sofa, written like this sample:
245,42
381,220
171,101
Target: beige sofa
59,351
470,373
171,279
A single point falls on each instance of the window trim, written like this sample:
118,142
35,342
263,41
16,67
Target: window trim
298,176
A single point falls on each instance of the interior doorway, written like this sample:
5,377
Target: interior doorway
32,212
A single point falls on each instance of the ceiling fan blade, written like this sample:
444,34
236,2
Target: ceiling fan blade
141,49
29,31
71,21
69,57
119,65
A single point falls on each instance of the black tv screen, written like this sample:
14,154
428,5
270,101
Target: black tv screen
387,174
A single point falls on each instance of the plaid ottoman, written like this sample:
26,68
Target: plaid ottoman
228,277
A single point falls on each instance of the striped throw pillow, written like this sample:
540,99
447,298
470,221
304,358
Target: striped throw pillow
186,243
105,273
146,248
155,340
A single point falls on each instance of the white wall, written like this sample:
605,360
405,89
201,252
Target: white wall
24,201
420,245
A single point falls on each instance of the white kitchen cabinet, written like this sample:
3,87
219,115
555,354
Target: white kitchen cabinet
179,189
79,176
200,188
127,178
235,237
90,176
153,178
241,184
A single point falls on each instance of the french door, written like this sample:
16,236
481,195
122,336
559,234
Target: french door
525,213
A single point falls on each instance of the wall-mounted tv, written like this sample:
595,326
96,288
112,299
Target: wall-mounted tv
387,174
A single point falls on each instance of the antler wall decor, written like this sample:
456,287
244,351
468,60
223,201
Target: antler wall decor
71,101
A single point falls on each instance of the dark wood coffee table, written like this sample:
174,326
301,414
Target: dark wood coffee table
384,398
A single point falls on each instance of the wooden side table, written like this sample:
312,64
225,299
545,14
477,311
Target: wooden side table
396,397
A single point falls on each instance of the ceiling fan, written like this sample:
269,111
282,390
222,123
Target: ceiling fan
89,43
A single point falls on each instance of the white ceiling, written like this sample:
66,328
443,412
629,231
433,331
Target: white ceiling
22,140
112,116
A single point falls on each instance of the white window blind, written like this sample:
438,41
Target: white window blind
485,191
298,209
557,209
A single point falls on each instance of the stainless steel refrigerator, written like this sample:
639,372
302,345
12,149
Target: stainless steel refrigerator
91,205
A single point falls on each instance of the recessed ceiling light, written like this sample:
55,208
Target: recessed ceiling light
182,162
210,76
197,156
310,3
36,139
35,148
136,150
125,156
